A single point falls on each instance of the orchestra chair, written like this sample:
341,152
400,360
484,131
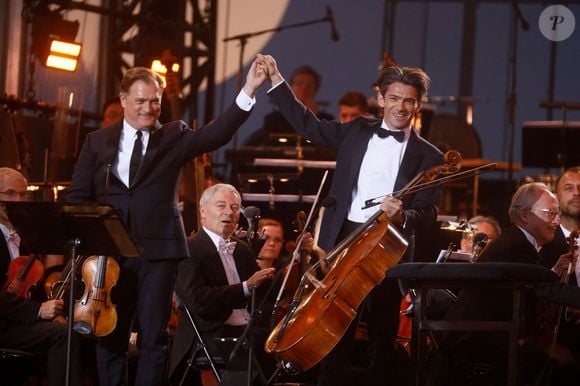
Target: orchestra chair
214,368
20,367
520,279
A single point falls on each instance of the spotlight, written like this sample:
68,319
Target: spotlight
63,55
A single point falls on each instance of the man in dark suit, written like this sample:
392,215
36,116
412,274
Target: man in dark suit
376,157
26,324
568,342
534,215
136,165
215,282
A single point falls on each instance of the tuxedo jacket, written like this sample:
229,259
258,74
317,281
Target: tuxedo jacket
149,205
551,252
203,288
351,140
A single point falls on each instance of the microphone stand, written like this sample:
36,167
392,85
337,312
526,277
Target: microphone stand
512,98
243,39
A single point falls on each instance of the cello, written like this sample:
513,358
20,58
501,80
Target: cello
94,313
317,319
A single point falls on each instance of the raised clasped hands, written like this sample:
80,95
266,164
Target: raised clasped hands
255,78
271,67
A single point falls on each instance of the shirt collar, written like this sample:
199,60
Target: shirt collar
215,238
531,239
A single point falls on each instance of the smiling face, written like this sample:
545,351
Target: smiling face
222,213
142,104
400,103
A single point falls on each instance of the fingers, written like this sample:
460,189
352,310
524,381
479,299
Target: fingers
393,208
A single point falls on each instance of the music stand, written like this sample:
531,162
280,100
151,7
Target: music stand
75,228
550,143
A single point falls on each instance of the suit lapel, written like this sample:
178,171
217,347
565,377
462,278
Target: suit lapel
358,149
112,149
411,161
212,258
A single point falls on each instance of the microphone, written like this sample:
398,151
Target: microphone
330,18
251,213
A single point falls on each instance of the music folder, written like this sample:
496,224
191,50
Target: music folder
49,227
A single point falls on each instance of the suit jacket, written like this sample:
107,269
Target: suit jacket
149,206
203,288
14,310
351,140
550,252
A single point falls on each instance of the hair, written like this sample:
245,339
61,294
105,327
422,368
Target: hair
354,98
208,194
139,73
9,173
407,75
525,197
571,170
307,70
487,219
266,221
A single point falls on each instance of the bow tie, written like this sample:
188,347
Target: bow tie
399,135
227,247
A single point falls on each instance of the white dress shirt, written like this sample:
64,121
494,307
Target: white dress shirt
378,172
239,316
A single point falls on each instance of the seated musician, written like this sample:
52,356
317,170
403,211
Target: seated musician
26,324
568,342
535,217
215,283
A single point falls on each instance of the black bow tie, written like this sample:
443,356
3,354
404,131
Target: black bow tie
399,135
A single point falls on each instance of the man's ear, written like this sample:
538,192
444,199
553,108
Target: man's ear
380,99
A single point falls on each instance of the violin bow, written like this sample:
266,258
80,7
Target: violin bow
296,252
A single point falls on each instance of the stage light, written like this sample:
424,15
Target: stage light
63,55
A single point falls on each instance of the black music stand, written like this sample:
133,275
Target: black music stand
75,228
550,143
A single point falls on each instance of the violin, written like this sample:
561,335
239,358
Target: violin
294,270
94,313
317,319
545,333
24,273
57,283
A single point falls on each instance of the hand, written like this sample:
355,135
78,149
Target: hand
307,243
393,208
255,78
271,68
260,276
51,308
561,265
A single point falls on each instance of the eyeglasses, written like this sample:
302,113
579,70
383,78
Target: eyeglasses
552,213
13,194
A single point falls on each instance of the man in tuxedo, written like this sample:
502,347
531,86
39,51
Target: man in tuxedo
26,324
568,342
215,282
136,165
534,215
376,157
